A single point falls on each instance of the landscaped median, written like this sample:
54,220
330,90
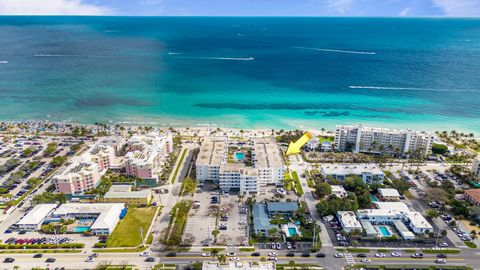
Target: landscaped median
298,185
174,177
178,220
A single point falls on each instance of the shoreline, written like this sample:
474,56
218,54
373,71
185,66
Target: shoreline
211,127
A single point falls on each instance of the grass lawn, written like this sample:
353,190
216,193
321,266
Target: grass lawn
127,232
325,139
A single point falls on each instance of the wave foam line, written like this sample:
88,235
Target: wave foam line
335,50
3,62
219,58
409,88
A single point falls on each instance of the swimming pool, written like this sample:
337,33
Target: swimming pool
81,229
239,156
373,198
384,231
292,231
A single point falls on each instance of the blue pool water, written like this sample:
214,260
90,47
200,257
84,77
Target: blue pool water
81,229
384,231
373,198
292,231
239,156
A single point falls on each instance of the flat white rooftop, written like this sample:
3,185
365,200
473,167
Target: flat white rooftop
388,192
106,212
351,169
37,214
349,219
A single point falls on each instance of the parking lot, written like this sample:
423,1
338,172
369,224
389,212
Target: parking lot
201,221
236,228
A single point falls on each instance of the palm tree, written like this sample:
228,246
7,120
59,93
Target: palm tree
222,258
272,233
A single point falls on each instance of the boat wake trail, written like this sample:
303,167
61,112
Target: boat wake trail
218,58
409,88
333,50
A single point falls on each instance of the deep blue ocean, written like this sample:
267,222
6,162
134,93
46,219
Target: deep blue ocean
245,72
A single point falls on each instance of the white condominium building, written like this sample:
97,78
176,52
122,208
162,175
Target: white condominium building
213,153
238,177
358,138
476,166
370,173
146,154
212,165
268,161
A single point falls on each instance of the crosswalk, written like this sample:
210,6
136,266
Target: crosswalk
349,258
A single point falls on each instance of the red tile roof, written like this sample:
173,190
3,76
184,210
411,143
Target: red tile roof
474,194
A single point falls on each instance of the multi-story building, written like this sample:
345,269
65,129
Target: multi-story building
213,165
358,138
125,194
85,171
370,173
238,177
213,153
104,156
476,167
146,154
268,161
79,176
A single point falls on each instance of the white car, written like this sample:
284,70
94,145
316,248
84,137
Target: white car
272,254
235,259
289,245
441,261
205,255
339,255
444,244
242,222
281,191
272,259
231,254
380,255
365,260
396,254
145,254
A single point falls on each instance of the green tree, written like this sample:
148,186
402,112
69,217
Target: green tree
322,189
439,149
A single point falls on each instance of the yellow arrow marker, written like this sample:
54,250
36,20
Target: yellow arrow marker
294,147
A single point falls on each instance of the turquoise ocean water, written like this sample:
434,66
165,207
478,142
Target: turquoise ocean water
242,72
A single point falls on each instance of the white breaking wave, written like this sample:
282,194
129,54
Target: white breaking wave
409,88
174,53
3,62
334,50
219,58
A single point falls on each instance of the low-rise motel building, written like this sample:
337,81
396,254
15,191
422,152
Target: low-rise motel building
125,194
